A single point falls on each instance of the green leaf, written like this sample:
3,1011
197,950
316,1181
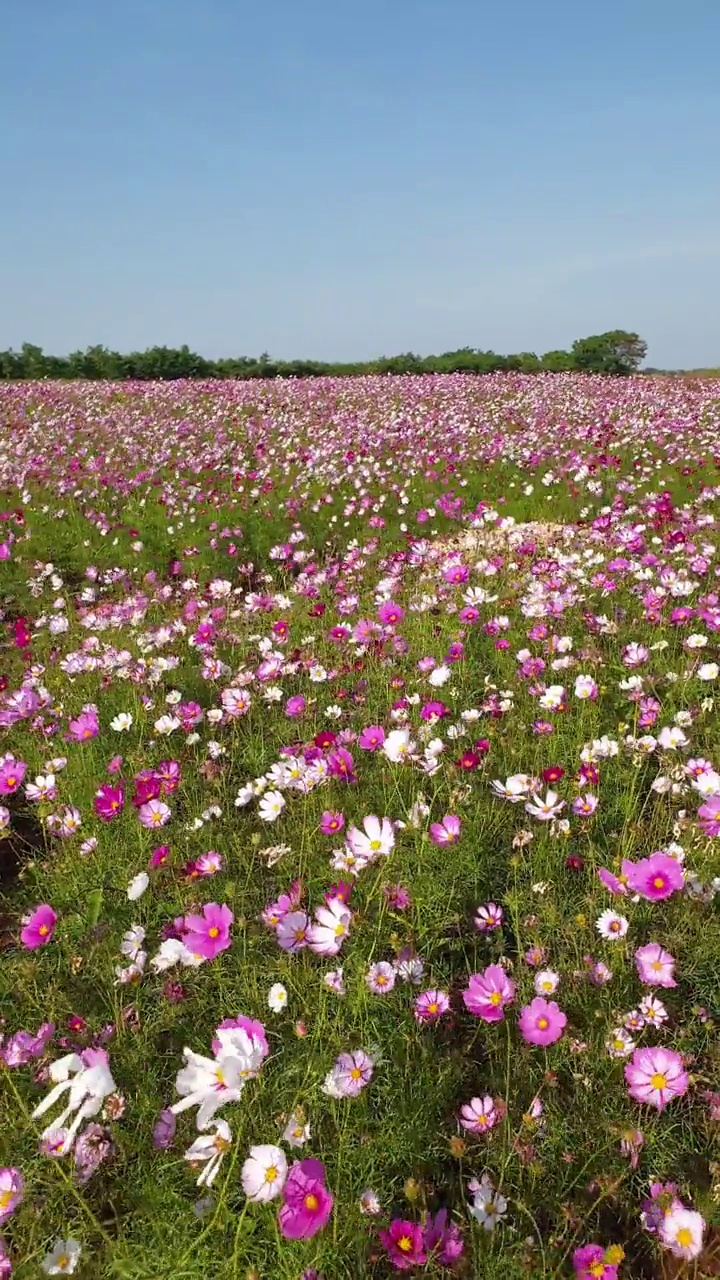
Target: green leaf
94,906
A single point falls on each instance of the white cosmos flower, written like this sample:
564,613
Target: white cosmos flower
397,745
173,951
439,676
87,1081
132,941
545,809
263,1173
708,671
209,1150
277,997
62,1259
138,885
122,722
297,1131
208,1084
271,806
681,1231
611,925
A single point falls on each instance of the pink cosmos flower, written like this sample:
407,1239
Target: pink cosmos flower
209,934
488,993
12,772
109,801
292,930
656,1076
478,1115
442,1240
709,816
253,1028
295,706
488,917
655,966
380,978
612,882
447,831
371,738
39,927
84,727
656,877
431,1005
154,814
589,1264
541,1022
330,928
11,1191
24,1046
404,1244
307,1203
331,822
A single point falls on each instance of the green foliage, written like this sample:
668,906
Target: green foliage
610,353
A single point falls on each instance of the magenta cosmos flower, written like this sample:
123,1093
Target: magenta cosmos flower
109,801
656,1076
12,772
589,1264
488,993
39,927
541,1021
405,1244
390,613
656,877
307,1203
447,831
331,822
371,738
209,934
655,966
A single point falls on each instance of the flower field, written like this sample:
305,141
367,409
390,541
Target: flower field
360,828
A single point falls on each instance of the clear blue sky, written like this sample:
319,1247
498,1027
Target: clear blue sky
339,179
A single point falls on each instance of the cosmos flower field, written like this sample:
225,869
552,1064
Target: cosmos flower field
360,828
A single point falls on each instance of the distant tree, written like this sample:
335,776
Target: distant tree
616,352
557,362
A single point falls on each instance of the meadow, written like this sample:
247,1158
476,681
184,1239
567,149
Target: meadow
360,828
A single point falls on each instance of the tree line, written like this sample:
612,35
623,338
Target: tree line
616,353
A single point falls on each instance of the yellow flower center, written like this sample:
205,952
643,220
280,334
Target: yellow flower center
271,1173
658,1081
404,1244
684,1237
542,1024
11,781
339,930
597,1269
63,1260
432,1008
659,882
311,1202
214,932
482,1119
5,1198
356,1073
495,998
375,845
43,930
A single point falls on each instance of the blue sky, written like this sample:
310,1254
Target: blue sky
343,180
